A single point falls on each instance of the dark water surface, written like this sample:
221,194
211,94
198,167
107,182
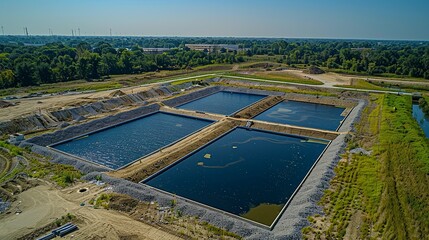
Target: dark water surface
419,115
304,114
225,103
241,171
117,146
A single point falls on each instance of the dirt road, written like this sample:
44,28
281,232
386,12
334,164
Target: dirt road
43,204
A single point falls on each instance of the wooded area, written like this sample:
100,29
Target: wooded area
58,59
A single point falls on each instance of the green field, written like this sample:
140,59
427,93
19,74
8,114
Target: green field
384,195
362,84
275,76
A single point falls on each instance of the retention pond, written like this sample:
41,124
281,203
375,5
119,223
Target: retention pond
248,173
122,144
304,114
225,103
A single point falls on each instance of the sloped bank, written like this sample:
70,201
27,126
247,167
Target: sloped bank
56,119
38,144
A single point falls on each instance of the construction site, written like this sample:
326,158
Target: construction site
157,183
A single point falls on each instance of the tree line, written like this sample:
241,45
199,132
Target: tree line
56,62
26,61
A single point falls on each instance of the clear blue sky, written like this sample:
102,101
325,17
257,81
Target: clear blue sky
362,19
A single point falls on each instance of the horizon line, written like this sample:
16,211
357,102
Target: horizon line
197,36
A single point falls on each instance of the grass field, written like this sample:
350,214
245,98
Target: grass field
381,76
362,84
384,195
277,76
410,87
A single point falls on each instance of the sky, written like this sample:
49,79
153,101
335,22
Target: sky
344,19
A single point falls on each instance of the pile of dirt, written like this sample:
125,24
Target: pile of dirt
314,70
263,65
5,104
11,188
123,203
117,93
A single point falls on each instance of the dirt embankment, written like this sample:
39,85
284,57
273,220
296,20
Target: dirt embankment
321,100
5,104
9,189
301,131
259,107
143,169
28,117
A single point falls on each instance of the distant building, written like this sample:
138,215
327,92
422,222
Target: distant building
155,50
212,47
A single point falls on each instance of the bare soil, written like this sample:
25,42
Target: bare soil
43,204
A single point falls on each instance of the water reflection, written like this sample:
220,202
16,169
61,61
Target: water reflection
423,120
304,114
249,173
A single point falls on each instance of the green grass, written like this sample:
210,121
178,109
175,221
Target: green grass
117,81
404,155
214,67
406,86
13,150
286,90
275,76
219,231
103,201
391,187
383,75
63,175
362,84
194,80
424,104
78,85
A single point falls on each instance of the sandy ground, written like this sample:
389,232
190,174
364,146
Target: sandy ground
41,205
331,79
328,79
26,106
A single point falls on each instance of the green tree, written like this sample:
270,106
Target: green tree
7,79
45,73
25,74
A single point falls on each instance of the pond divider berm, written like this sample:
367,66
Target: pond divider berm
300,206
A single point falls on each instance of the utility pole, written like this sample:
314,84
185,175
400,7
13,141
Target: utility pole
72,33
79,31
2,30
110,32
26,31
